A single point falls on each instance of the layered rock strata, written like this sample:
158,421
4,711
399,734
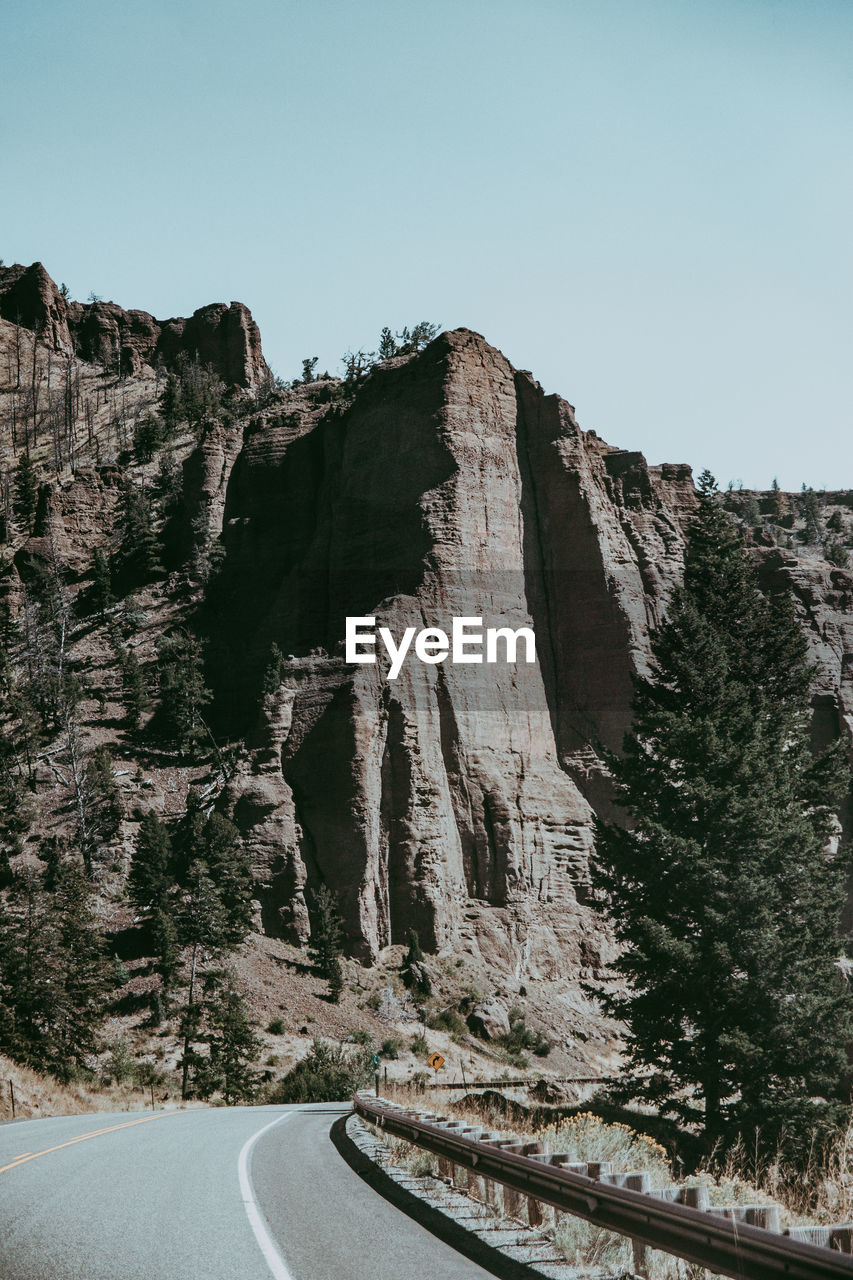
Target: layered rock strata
224,337
450,485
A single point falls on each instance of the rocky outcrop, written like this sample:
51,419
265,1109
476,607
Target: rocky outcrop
489,1019
28,297
455,800
448,486
224,337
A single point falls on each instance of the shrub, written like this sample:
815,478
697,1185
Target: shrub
327,1074
391,1048
586,1137
447,1020
522,1038
360,1036
276,1027
420,1044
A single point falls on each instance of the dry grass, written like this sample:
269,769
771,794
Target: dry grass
39,1095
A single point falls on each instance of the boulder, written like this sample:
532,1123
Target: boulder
489,1019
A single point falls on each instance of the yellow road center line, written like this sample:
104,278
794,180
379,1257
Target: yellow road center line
95,1133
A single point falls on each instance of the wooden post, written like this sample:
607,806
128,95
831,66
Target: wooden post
12,1096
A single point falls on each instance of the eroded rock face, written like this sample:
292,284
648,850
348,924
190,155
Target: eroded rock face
225,337
450,486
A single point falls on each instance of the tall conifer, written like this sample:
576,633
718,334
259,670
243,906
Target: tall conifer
723,890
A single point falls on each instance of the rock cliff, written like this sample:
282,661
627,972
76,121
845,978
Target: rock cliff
455,800
225,337
447,485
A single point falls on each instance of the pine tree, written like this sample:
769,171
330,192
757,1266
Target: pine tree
183,692
151,868
272,675
722,891
26,496
139,556
171,403
101,591
325,947
54,971
387,345
778,501
233,1047
102,796
812,531
87,972
202,928
415,972
134,691
230,871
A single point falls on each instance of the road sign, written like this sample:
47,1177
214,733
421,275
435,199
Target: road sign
436,1061
376,1059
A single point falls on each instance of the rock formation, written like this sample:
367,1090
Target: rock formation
454,800
447,486
225,337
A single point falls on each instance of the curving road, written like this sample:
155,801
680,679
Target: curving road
242,1193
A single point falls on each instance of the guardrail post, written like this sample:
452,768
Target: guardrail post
538,1214
508,1200
841,1237
489,1190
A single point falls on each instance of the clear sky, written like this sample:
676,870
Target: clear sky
645,202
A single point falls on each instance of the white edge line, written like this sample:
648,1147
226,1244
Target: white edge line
267,1245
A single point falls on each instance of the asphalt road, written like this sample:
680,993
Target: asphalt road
241,1193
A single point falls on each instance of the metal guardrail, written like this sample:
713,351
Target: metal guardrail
726,1247
521,1082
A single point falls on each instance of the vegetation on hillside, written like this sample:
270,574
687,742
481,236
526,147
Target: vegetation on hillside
726,890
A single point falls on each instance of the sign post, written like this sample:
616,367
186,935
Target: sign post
376,1072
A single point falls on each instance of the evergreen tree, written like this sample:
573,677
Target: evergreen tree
415,972
171,403
233,1047
722,891
87,972
272,675
101,592
102,797
148,435
54,971
134,691
812,531
166,946
387,345
230,871
139,556
201,391
151,868
778,501
326,945
202,928
25,502
183,692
